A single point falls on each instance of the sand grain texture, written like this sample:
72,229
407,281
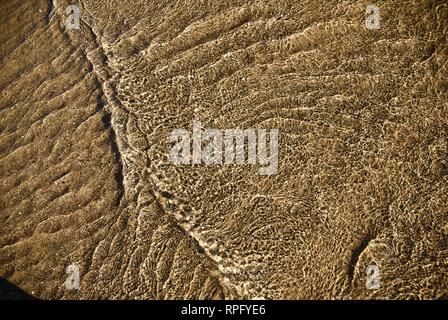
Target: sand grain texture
85,122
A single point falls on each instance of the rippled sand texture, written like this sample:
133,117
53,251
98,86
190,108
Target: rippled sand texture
86,117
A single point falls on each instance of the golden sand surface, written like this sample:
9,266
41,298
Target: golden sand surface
85,121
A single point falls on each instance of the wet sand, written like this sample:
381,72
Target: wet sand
86,116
